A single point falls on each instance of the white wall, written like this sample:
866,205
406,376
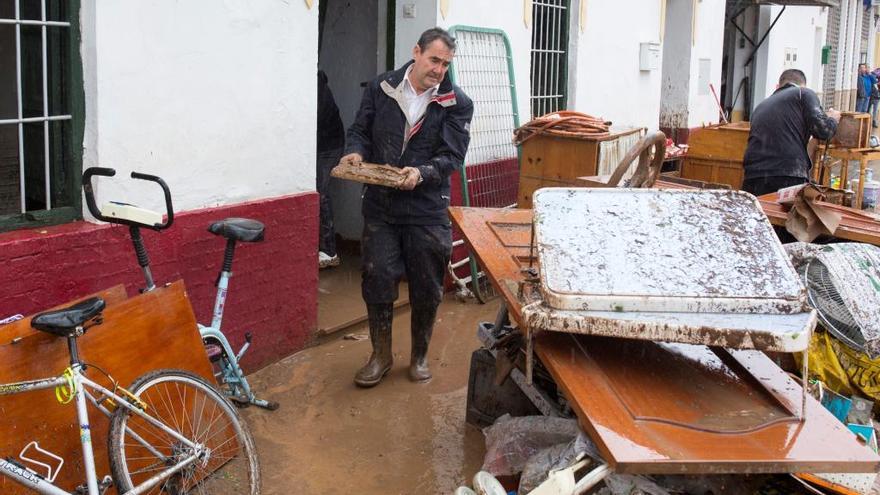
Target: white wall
408,29
795,30
508,17
708,46
609,82
218,98
675,69
692,51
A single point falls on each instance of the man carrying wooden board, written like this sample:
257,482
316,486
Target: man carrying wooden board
413,118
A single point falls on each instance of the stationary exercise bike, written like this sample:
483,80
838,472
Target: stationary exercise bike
227,370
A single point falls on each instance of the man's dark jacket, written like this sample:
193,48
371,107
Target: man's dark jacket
781,127
436,145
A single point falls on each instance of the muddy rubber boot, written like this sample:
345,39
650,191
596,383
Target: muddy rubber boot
422,325
380,316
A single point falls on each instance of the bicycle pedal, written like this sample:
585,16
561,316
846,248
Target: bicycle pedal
239,402
103,486
215,352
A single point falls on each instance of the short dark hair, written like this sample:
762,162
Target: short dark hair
434,34
795,76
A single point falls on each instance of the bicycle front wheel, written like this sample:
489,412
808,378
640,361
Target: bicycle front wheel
193,408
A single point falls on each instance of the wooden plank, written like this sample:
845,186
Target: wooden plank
22,328
146,332
370,173
680,409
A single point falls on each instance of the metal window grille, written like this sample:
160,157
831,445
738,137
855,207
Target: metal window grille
33,116
549,56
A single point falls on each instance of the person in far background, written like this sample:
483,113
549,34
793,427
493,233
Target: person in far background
866,82
875,97
331,140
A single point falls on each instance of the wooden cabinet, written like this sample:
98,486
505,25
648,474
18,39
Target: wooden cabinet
550,161
715,154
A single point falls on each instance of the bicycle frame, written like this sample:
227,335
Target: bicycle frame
37,483
232,374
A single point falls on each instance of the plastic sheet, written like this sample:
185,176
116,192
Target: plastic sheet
511,442
554,458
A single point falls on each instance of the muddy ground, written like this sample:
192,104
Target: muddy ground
330,437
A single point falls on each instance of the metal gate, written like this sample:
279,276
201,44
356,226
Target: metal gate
483,68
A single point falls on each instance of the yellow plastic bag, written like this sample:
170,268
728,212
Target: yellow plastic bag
842,369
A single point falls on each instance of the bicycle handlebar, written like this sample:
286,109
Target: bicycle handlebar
109,172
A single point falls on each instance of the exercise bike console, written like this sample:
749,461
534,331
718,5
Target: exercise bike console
124,213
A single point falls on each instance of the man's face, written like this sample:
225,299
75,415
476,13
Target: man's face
430,65
863,69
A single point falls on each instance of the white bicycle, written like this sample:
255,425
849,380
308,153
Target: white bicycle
171,433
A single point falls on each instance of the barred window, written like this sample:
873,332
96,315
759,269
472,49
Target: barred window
549,56
40,139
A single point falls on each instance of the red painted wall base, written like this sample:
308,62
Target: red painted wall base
273,291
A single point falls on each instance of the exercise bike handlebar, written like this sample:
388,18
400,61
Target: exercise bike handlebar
109,172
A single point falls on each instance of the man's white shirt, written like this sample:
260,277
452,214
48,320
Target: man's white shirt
416,104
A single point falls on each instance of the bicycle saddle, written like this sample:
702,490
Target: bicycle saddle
63,322
240,229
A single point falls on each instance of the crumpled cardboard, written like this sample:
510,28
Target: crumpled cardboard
807,220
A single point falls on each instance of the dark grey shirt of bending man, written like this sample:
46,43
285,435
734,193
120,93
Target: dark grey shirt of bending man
781,126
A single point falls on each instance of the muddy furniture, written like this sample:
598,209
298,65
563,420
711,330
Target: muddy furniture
823,168
853,130
149,331
657,408
715,154
551,161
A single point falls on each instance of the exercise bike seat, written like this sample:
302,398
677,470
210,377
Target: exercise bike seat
63,322
239,229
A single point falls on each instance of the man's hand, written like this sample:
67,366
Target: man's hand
834,114
413,178
352,158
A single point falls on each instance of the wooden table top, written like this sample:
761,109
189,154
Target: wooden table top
668,408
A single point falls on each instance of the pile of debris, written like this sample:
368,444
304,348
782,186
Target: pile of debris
664,325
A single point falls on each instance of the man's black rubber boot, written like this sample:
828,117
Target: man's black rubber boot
380,316
422,326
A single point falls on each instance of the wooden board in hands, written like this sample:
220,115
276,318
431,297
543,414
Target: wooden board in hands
370,173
